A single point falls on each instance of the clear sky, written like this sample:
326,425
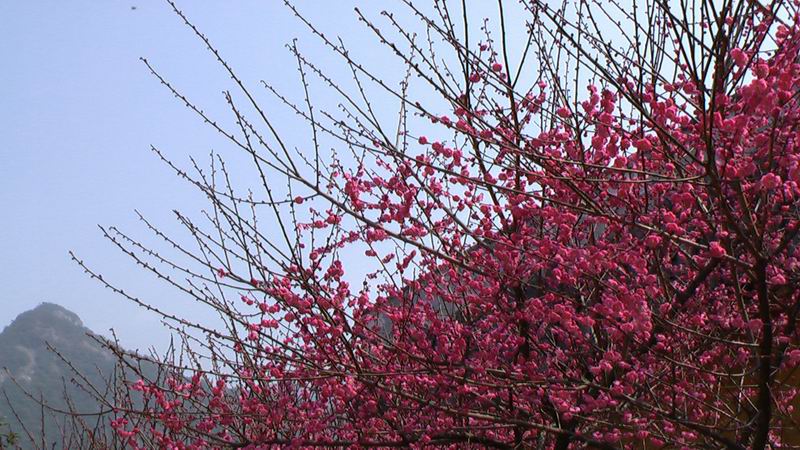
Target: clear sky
79,111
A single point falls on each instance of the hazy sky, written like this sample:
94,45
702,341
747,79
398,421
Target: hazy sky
79,111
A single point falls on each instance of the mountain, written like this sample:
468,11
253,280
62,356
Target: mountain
29,364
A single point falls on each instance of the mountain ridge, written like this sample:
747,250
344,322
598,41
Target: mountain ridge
33,350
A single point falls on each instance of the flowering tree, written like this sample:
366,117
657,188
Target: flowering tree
593,247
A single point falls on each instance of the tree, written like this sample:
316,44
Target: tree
594,247
8,439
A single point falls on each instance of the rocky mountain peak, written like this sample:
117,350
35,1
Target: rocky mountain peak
47,315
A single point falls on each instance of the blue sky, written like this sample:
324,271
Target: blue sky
79,113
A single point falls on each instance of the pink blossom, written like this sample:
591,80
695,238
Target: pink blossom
770,181
643,144
739,57
778,279
755,325
652,241
793,357
717,250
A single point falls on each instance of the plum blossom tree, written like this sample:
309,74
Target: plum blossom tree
570,238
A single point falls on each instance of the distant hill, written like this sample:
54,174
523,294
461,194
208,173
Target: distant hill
26,363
